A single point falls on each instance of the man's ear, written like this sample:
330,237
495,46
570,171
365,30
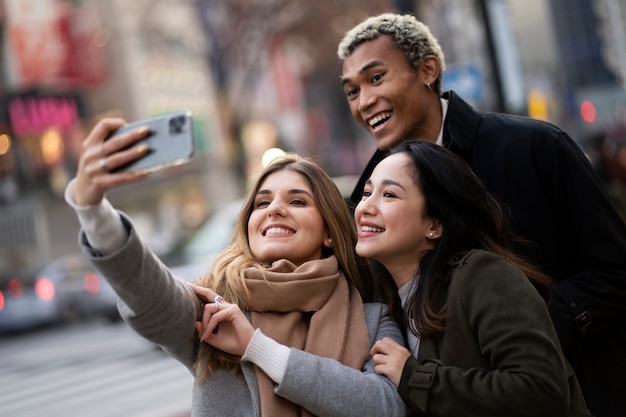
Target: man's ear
430,69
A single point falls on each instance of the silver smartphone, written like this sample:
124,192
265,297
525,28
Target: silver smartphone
171,141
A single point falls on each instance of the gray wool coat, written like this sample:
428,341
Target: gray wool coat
158,306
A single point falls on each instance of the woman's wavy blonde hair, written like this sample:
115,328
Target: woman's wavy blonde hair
227,274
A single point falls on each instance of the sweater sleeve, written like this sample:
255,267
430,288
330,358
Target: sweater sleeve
101,224
267,354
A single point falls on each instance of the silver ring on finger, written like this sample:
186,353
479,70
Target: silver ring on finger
103,164
218,299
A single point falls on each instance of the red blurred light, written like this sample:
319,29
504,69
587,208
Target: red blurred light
44,289
15,288
588,111
91,282
1,301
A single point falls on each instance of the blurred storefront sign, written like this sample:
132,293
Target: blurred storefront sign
44,130
33,114
52,43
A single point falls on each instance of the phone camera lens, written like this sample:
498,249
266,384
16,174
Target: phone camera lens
177,125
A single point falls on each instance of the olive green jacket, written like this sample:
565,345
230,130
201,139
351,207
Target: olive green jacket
499,354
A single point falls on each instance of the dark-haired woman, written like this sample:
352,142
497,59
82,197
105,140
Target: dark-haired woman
479,336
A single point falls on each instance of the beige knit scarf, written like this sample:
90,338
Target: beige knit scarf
310,307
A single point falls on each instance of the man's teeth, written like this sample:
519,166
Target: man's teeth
371,229
278,231
376,120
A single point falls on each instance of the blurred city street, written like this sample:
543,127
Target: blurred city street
258,76
94,369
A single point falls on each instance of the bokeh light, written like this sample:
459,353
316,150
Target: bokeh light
5,144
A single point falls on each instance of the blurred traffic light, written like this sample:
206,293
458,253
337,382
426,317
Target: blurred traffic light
588,111
537,105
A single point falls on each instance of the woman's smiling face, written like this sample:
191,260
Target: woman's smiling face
285,222
392,225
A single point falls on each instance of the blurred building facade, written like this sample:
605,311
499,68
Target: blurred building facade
591,42
256,75
578,75
66,64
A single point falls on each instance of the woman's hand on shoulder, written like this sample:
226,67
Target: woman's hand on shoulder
101,156
223,326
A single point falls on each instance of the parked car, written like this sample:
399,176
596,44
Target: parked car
211,239
67,289
23,302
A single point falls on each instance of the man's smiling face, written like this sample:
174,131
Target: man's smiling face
386,96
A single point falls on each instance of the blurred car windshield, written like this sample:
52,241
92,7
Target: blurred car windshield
214,235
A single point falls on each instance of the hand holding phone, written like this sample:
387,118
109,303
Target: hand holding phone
170,142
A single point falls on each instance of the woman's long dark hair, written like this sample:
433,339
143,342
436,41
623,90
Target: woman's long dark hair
471,219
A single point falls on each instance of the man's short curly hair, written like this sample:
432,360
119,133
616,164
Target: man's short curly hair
409,34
